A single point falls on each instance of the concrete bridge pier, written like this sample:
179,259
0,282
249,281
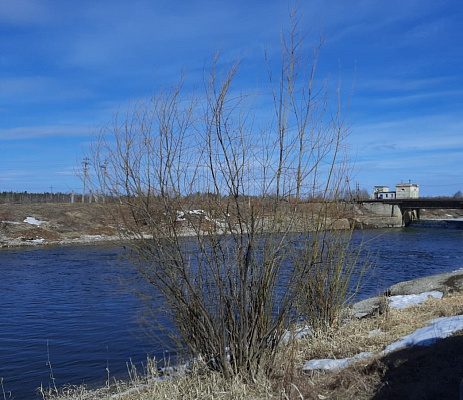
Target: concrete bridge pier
410,215
409,208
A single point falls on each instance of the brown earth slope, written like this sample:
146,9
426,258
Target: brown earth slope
50,223
67,223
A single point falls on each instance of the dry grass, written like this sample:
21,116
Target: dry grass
365,379
63,221
196,384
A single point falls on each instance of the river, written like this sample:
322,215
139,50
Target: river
66,318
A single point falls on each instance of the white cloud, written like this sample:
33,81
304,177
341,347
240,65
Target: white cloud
36,132
427,149
426,132
408,99
396,82
426,32
23,12
40,89
155,34
69,64
364,17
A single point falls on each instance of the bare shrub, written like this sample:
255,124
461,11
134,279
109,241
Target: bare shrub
237,225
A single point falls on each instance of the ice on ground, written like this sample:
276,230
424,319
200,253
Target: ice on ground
298,333
440,328
33,221
197,212
134,389
38,240
404,301
180,216
334,365
375,332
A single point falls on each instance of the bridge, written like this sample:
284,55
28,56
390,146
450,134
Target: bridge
410,208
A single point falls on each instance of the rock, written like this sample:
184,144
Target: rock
447,283
369,307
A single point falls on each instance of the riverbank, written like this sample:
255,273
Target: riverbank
427,370
78,223
55,224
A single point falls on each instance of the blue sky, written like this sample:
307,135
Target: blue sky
67,66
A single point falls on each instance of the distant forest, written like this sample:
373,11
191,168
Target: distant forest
26,198
48,197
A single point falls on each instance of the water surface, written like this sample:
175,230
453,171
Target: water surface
66,307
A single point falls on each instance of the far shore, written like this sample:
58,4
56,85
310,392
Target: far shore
64,224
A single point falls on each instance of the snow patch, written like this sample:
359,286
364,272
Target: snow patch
181,217
90,237
197,212
375,332
33,221
328,364
404,301
181,214
298,333
38,240
440,328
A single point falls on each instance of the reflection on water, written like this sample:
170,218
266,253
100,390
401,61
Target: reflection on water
410,253
67,303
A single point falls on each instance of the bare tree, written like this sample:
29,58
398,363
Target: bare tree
237,226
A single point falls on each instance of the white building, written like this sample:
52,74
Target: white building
382,192
407,190
402,191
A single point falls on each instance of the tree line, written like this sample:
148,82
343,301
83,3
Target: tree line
46,197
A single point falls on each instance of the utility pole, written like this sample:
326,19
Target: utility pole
348,194
103,168
85,163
